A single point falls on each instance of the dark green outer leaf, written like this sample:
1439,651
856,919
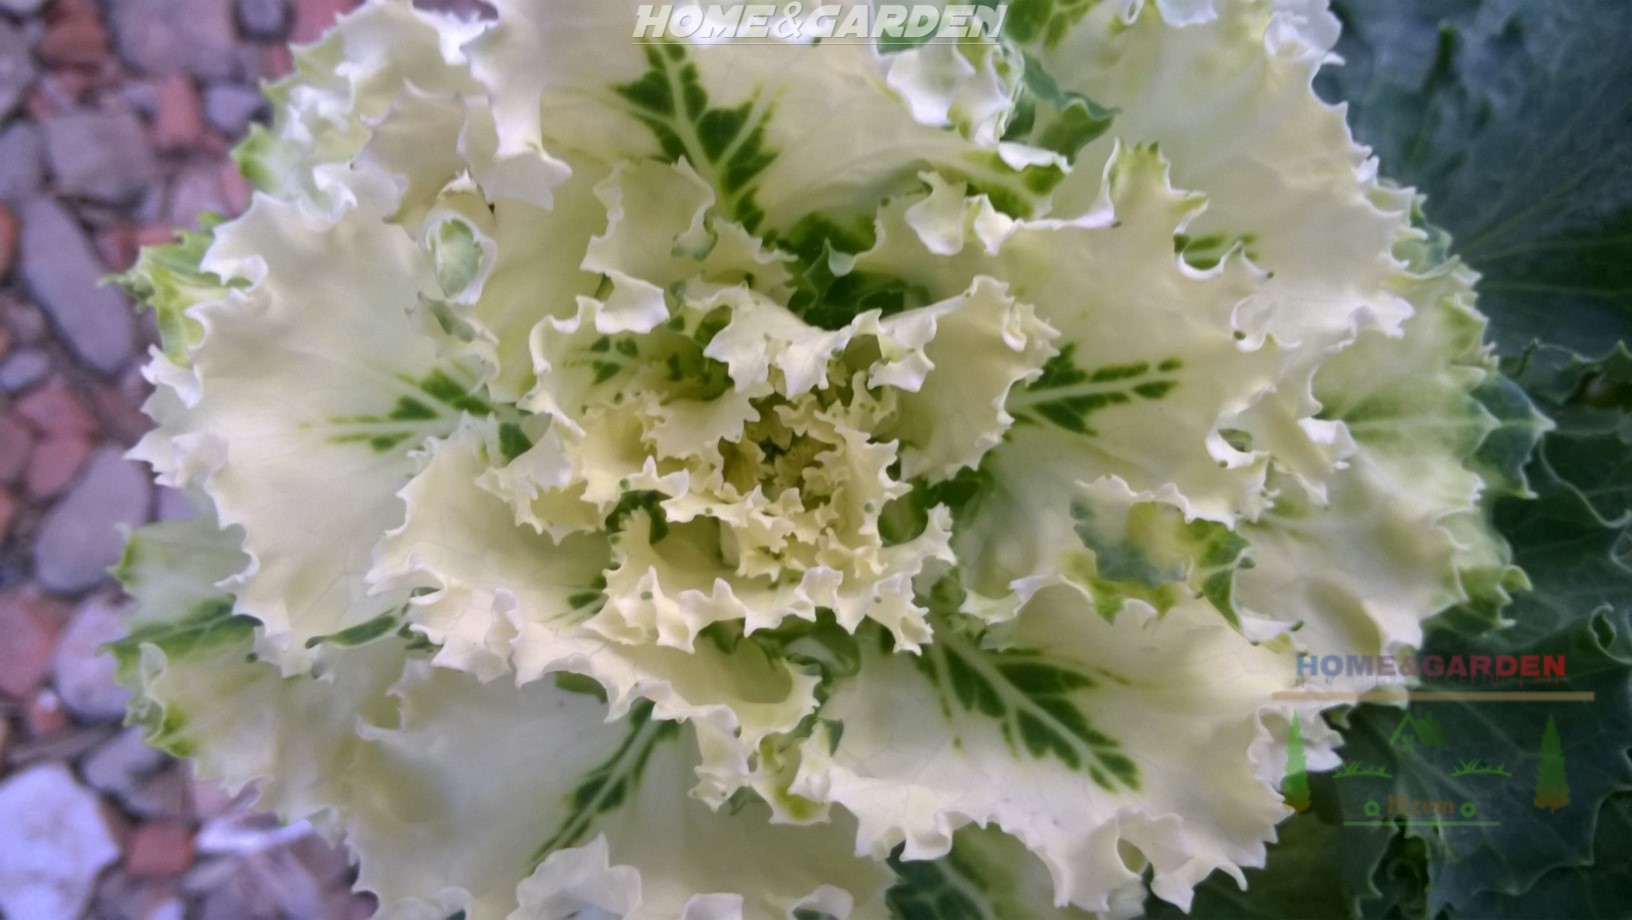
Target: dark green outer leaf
1514,116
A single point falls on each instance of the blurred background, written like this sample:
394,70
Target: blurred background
115,124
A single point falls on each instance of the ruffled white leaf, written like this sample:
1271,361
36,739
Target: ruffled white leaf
1077,736
325,313
487,764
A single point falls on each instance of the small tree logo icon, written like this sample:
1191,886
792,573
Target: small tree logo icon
1295,787
1552,789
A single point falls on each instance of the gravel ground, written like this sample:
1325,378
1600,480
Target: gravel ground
115,122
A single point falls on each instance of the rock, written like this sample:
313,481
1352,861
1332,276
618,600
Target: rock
82,671
159,849
22,163
102,156
28,638
26,322
266,20
235,188
121,897
61,270
22,9
8,513
16,444
16,68
165,794
45,715
210,800
243,833
313,17
61,747
274,61
74,36
119,765
177,122
54,840
167,36
54,464
327,863
56,410
265,885
8,239
196,191
230,107
80,538
22,369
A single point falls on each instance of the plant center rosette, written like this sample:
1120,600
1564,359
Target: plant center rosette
733,479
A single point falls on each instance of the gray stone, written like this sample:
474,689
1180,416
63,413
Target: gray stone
22,163
54,841
22,8
263,19
60,747
22,369
269,884
102,156
80,538
166,794
16,68
165,36
82,670
63,273
195,191
230,107
120,897
119,766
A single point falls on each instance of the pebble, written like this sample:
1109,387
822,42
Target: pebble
28,638
102,156
119,765
16,443
8,239
22,163
22,8
82,671
74,37
56,410
313,17
177,124
61,270
80,538
266,20
235,188
54,464
22,369
230,107
159,849
26,322
196,191
54,840
121,897
167,36
270,883
165,794
45,715
8,513
16,68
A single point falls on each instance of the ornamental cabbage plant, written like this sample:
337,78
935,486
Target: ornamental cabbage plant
720,479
